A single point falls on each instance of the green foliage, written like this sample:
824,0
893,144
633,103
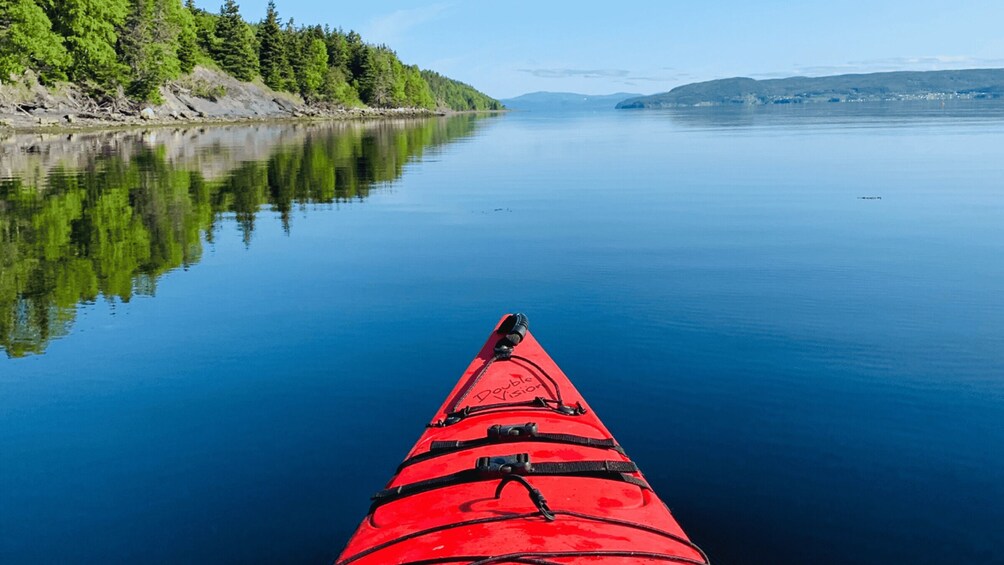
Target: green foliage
205,29
89,31
417,93
339,52
149,44
456,95
337,90
272,49
237,50
315,67
376,81
28,42
143,44
188,40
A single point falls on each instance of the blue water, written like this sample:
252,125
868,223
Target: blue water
803,374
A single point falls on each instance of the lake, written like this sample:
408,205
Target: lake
217,342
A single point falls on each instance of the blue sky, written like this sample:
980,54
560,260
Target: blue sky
509,48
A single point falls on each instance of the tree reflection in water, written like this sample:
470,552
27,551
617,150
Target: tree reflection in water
105,215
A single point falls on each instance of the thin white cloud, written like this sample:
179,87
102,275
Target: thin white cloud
391,28
577,73
624,75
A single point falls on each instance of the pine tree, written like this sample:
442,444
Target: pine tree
188,41
293,69
28,42
149,45
89,30
338,51
271,49
205,29
237,52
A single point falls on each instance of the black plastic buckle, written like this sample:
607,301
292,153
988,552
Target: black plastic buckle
516,464
512,432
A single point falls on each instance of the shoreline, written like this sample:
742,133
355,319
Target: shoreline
203,97
52,123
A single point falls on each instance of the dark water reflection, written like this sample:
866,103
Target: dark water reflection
89,215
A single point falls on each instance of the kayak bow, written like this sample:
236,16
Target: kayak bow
516,468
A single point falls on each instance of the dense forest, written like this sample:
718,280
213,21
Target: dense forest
141,45
112,227
970,84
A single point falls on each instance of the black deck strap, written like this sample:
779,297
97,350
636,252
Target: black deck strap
509,434
495,467
538,402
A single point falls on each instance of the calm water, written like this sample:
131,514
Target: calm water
219,342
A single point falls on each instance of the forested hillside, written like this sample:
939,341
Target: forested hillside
456,95
971,84
138,46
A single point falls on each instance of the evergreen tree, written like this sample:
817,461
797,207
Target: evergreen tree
356,54
272,49
188,41
149,45
237,52
89,30
376,83
457,95
205,29
339,55
293,69
28,42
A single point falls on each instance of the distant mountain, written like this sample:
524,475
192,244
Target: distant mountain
565,101
902,85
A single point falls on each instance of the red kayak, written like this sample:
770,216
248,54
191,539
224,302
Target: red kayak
516,468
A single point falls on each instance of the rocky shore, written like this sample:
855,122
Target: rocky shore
204,96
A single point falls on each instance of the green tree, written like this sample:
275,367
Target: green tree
272,49
28,42
315,68
149,45
188,39
89,30
338,91
205,29
416,91
339,54
457,95
376,80
237,51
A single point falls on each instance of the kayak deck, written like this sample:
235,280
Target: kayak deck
516,468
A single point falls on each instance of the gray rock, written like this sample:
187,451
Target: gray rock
147,113
69,118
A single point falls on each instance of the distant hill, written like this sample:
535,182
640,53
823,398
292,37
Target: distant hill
902,85
565,101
